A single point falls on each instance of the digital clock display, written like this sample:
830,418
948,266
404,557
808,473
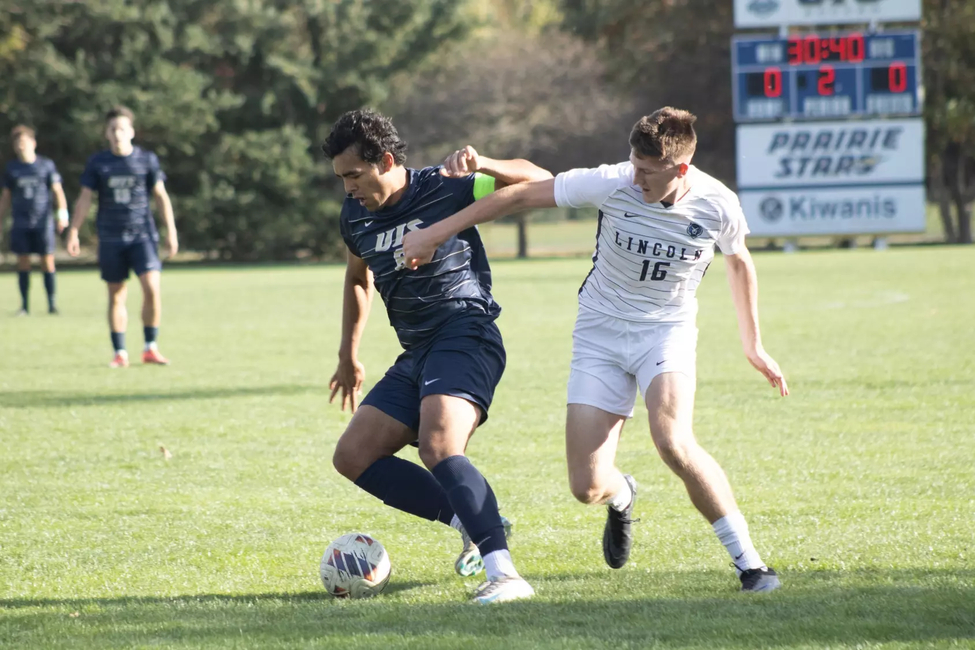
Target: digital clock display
813,76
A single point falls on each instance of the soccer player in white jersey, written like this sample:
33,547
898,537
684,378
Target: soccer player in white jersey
660,219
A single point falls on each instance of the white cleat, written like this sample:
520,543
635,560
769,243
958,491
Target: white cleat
469,562
503,590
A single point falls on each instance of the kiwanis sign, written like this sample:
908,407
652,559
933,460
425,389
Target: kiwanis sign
825,178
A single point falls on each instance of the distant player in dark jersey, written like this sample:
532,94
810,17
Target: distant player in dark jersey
440,388
29,184
125,177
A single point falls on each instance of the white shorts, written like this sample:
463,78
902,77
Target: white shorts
611,357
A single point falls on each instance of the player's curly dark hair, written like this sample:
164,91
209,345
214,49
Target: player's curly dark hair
370,133
665,134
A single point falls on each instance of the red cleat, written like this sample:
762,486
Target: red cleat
152,356
120,361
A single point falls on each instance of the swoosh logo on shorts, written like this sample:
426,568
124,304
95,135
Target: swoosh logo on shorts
427,383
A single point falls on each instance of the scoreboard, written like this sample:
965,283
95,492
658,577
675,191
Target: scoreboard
839,75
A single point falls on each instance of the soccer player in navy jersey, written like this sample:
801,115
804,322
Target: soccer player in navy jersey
29,182
439,390
125,177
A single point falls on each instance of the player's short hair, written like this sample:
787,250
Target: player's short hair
22,129
370,133
665,134
119,111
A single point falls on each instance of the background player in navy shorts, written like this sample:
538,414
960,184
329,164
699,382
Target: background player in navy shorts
124,177
29,184
440,388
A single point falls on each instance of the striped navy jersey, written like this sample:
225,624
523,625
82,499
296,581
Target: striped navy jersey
455,287
124,186
30,191
651,257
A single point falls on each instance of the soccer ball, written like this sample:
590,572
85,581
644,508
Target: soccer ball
355,566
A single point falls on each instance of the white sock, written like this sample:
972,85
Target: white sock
151,346
621,499
732,531
498,564
124,353
456,525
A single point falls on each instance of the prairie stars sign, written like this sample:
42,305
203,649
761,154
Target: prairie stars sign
830,153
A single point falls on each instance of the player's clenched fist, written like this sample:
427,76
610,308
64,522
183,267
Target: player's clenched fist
419,247
73,245
462,162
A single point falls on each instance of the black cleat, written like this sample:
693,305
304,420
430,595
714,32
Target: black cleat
53,310
759,580
618,534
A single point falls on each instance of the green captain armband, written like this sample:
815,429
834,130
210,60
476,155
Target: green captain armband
483,185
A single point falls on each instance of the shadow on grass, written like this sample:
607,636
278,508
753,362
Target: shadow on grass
821,609
61,399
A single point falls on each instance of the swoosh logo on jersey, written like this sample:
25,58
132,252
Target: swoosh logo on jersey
366,223
630,216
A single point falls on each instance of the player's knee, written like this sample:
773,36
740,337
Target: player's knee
677,453
432,454
117,295
347,461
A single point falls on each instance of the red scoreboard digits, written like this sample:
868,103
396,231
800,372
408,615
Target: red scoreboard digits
807,76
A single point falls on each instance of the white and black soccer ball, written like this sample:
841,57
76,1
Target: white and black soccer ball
355,566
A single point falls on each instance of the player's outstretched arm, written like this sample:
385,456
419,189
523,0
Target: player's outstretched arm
744,291
165,208
419,246
81,207
356,301
467,161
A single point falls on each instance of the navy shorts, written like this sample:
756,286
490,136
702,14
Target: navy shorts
32,241
464,362
116,258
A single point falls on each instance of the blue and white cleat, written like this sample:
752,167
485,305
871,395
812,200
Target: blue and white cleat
502,590
765,579
469,562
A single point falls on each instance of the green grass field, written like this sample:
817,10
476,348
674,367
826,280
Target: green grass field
859,488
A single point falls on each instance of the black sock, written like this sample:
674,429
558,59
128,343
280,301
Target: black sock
408,487
50,286
23,279
473,500
150,334
118,341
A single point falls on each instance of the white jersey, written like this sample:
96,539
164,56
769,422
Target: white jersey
650,259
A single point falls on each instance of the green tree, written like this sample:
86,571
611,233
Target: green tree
230,93
949,77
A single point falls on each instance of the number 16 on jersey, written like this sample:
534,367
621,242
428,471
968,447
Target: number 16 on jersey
658,272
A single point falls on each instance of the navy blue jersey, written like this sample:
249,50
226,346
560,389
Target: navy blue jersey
124,186
455,286
30,190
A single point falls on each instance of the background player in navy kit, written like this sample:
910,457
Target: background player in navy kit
124,178
439,390
28,185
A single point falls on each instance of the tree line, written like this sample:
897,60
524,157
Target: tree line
235,95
